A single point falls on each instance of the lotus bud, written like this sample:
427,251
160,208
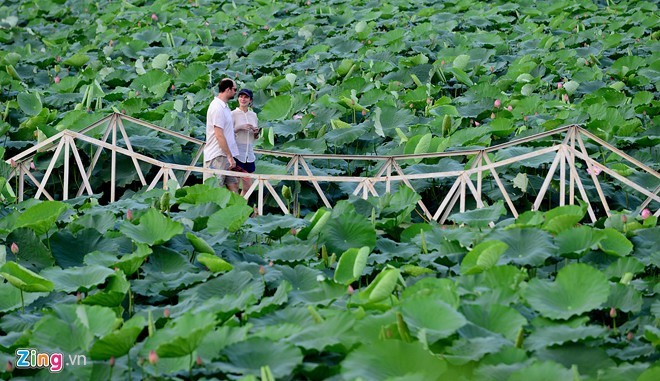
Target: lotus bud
646,213
32,167
477,124
10,367
129,214
262,270
428,100
14,248
410,105
497,103
57,79
492,115
350,290
630,336
525,118
199,361
442,62
153,357
166,312
78,296
612,312
560,85
270,263
509,108
565,97
172,87
309,2
154,17
112,361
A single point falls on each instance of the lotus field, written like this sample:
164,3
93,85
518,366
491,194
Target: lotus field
188,283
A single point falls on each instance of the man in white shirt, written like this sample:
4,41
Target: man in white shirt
220,141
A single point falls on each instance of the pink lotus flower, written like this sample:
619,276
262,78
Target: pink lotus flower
509,108
57,79
477,124
646,213
497,103
153,357
154,17
14,248
595,170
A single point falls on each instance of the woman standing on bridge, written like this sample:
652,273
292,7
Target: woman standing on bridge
246,128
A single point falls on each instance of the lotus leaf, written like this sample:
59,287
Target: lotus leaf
351,265
578,288
41,217
82,279
24,279
153,228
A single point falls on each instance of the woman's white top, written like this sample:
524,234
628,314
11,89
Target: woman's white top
244,137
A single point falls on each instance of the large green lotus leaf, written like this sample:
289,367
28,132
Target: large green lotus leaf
646,244
495,318
542,371
291,252
230,218
157,82
615,243
351,265
276,108
11,297
87,241
548,336
181,336
578,240
588,359
271,303
307,337
192,73
482,257
624,298
441,289
203,193
33,254
650,374
249,356
218,339
274,226
340,137
102,222
527,246
465,350
113,294
74,279
431,318
25,279
346,231
153,228
563,218
578,288
118,343
214,263
30,103
480,217
130,263
41,217
392,359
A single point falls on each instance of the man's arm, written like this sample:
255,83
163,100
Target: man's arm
222,143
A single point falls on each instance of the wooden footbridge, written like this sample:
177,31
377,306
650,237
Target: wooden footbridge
108,137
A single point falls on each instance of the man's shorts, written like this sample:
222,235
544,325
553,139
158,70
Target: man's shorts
221,162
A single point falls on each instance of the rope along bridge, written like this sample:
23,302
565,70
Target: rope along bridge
110,135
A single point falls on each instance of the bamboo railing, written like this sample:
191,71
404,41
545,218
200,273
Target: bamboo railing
567,152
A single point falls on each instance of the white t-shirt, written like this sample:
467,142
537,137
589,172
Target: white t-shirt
218,114
244,138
